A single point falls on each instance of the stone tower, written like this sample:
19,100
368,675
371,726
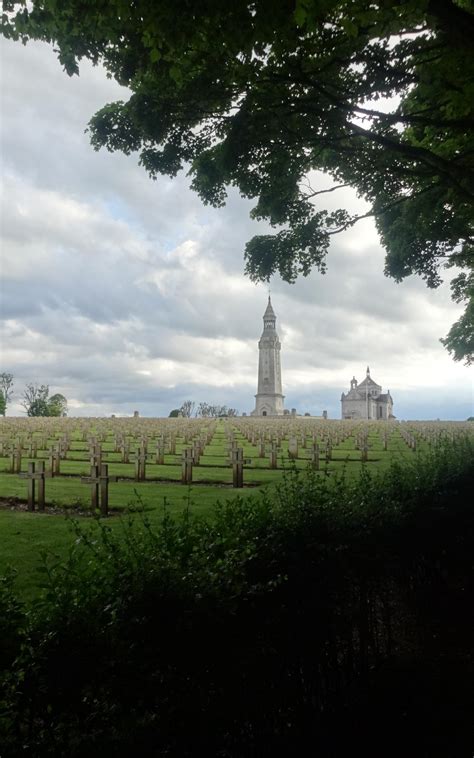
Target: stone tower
269,398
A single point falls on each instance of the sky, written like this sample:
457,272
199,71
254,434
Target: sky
125,294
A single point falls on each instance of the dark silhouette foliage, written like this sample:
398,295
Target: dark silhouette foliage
336,617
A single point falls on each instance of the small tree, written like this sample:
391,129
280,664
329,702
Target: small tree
6,390
174,413
57,405
204,410
187,408
36,401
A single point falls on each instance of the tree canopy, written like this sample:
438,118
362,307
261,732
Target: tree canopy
36,401
57,405
6,391
261,95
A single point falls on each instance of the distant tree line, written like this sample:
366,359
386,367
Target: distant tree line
35,400
202,410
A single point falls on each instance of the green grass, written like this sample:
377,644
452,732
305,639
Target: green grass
23,535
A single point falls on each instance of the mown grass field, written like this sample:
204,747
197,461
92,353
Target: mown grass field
25,536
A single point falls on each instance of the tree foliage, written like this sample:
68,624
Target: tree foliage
6,391
187,408
36,401
261,95
57,405
207,410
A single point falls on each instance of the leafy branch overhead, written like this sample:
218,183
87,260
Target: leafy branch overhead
260,95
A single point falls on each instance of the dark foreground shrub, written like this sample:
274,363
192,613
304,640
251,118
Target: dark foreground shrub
335,617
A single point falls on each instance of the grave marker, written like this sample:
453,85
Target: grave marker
160,452
293,448
54,462
35,473
99,481
273,455
140,465
15,461
187,466
237,462
125,449
315,455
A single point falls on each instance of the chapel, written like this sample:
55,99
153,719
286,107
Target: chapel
366,401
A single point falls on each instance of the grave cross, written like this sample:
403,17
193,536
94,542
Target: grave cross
140,465
196,450
315,455
15,461
187,466
35,473
32,448
237,461
99,480
63,447
160,452
231,446
54,462
274,454
95,453
125,448
328,450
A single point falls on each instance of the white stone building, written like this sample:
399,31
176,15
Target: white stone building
366,401
269,398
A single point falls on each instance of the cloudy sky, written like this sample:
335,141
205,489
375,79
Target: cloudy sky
123,293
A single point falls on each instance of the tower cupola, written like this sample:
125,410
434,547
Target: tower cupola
269,317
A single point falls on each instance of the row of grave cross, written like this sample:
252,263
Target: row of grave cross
98,480
56,454
141,456
99,477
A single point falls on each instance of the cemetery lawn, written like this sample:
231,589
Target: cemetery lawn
25,537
